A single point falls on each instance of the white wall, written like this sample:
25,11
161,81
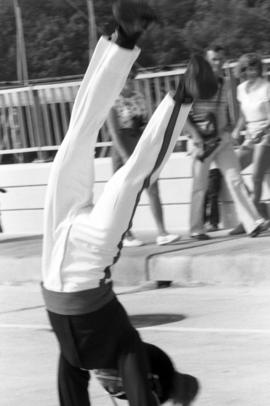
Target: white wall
22,206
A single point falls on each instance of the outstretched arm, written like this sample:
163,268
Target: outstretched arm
240,125
113,125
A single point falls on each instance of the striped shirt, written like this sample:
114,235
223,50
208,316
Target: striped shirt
218,105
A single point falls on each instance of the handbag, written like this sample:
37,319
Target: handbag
259,137
208,130
210,137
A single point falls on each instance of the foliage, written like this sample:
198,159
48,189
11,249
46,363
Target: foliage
56,32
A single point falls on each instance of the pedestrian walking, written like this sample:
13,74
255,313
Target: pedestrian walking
253,95
210,129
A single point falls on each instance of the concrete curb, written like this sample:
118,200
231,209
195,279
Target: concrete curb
228,262
238,261
244,270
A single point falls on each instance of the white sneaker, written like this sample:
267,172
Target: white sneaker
132,242
167,239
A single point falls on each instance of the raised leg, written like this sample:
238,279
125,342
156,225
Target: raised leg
111,217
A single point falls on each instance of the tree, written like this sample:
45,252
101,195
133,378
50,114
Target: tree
8,37
57,43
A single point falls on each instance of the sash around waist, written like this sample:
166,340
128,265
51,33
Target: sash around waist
79,302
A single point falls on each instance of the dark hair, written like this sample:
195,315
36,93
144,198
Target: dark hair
216,48
199,79
254,61
247,61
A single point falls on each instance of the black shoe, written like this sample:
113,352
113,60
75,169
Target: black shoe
185,389
260,229
239,229
212,227
133,18
200,237
163,284
256,231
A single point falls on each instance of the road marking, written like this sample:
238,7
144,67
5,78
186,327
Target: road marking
22,309
206,330
26,326
165,329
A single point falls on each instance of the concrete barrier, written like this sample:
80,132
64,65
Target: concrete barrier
22,206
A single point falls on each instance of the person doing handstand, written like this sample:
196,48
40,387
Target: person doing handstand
82,240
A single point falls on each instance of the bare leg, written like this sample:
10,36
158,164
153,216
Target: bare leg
156,207
199,187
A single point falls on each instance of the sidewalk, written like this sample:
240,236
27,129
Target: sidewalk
223,260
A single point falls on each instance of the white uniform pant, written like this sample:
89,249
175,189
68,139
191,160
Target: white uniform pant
115,208
81,240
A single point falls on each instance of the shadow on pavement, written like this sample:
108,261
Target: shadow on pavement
147,320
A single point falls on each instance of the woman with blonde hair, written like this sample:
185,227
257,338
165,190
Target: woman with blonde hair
253,95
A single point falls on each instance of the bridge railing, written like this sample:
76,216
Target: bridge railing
34,119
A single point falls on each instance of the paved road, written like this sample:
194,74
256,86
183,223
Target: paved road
219,334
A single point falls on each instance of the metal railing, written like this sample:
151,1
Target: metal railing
34,119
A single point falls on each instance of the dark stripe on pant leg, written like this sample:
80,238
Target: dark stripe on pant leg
166,141
164,147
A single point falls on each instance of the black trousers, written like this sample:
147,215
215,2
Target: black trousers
211,209
102,339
